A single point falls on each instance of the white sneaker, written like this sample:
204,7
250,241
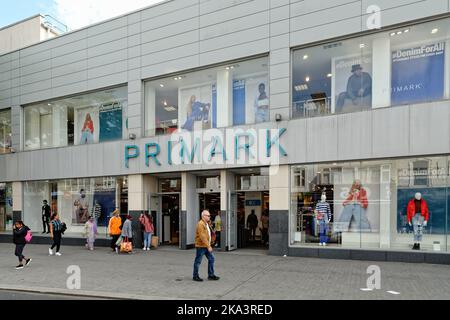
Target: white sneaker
50,252
144,249
58,254
324,244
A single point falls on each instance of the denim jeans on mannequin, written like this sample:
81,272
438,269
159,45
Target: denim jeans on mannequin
417,222
323,228
356,212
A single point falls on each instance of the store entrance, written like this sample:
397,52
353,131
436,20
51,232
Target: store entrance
252,219
170,219
211,202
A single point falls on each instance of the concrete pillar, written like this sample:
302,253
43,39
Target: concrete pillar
139,188
224,98
17,194
381,73
59,121
189,214
279,210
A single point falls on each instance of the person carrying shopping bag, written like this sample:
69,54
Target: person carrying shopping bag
146,221
114,230
127,236
21,235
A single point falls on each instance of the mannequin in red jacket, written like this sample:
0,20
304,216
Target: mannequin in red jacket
418,216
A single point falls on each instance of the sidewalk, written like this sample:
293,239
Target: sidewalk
166,273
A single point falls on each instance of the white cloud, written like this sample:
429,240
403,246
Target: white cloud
81,13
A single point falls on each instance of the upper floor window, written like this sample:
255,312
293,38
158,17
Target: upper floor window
232,94
401,66
84,119
5,131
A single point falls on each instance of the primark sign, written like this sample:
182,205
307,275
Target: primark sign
262,147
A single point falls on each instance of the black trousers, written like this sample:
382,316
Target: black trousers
56,240
19,251
114,240
253,232
45,224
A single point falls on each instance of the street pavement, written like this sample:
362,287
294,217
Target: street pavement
15,295
166,273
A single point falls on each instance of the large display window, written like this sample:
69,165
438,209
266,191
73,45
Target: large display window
231,94
5,131
395,67
84,119
75,200
389,204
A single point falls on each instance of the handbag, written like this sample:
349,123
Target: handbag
126,246
28,236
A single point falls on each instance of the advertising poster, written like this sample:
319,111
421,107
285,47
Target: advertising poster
352,83
355,221
239,102
418,74
110,122
86,125
103,206
435,198
257,99
195,108
81,207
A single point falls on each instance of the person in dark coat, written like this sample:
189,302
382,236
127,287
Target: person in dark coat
252,223
19,233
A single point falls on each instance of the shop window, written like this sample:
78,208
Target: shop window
396,67
6,206
397,204
5,131
201,100
170,185
85,119
75,200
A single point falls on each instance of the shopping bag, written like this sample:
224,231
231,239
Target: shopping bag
119,241
126,246
155,241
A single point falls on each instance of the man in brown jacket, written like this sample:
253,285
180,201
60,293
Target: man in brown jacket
203,247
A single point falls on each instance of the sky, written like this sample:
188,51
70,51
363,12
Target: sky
73,13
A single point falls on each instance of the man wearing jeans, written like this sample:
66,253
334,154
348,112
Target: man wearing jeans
203,247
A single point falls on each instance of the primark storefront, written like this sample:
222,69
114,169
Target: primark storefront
343,144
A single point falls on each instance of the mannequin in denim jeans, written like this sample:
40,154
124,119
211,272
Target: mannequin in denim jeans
323,216
418,216
354,209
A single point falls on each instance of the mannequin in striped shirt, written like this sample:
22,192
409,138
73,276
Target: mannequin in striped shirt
323,217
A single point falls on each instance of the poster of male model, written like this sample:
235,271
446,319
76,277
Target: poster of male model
418,73
352,83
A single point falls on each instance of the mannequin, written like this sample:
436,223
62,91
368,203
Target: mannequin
323,216
418,216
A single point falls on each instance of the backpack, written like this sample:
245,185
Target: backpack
28,236
63,227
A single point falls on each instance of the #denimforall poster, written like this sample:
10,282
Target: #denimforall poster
418,74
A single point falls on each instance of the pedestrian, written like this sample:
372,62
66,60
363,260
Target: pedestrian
56,229
252,223
127,230
45,210
90,232
265,227
114,230
146,221
19,233
203,247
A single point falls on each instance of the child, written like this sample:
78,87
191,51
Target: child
19,233
90,231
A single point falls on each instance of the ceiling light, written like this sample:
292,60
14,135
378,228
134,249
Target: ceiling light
329,75
161,85
305,57
170,109
435,30
49,104
307,79
406,31
399,32
165,103
362,45
392,34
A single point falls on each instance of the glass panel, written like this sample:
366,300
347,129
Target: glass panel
199,100
397,67
84,119
6,212
5,131
170,185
